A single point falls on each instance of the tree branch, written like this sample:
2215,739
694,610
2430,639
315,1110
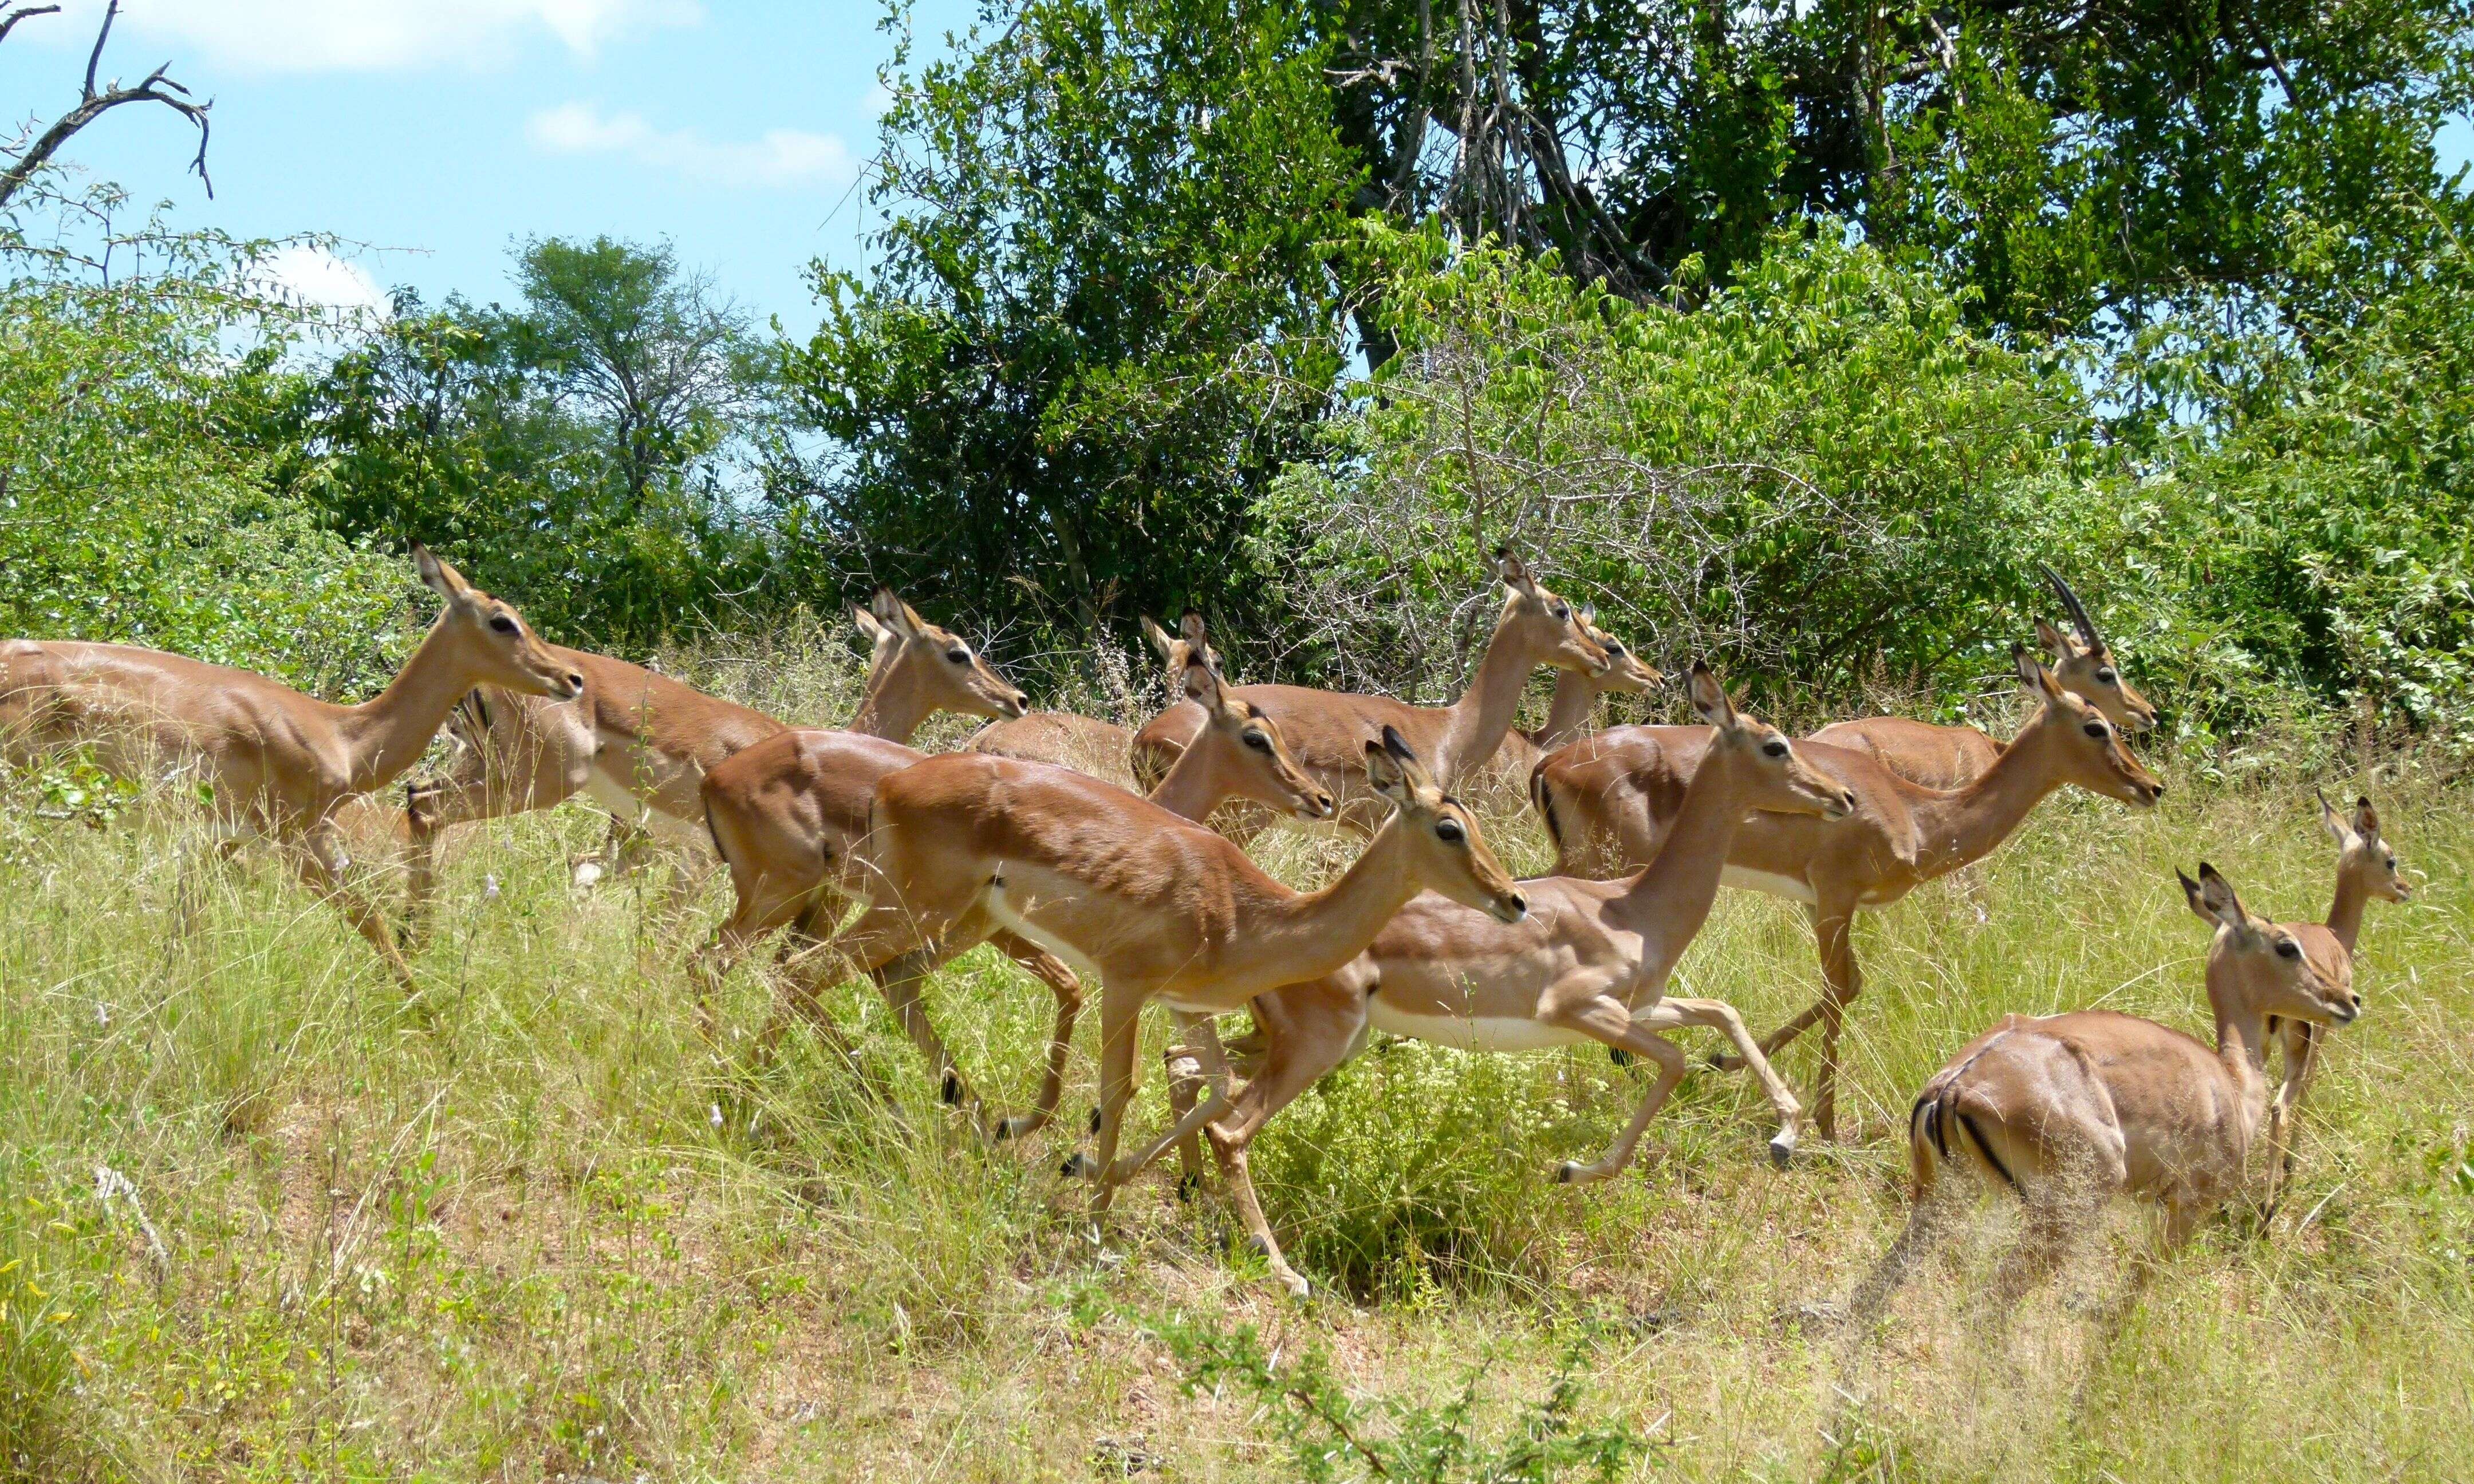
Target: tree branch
156,88
8,22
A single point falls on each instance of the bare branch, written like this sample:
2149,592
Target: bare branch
8,22
95,59
156,88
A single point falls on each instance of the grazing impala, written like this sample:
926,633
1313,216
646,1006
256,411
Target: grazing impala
1623,786
2366,867
1329,728
281,763
2068,1110
1953,757
1158,907
1087,744
789,815
639,743
1590,962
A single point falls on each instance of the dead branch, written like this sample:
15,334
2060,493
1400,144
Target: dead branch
95,102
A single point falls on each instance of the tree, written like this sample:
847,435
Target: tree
1101,321
31,152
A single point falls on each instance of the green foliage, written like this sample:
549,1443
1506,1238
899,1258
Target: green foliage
1100,323
1331,1436
601,411
139,505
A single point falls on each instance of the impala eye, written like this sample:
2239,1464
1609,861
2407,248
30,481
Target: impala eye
2107,676
1774,748
958,655
1258,742
1563,612
502,624
2289,948
1449,831
1612,646
2095,729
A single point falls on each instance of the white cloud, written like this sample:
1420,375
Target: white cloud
359,36
315,279
780,157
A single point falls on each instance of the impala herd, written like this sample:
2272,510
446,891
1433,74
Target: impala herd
886,862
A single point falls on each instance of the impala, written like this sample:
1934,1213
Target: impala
1155,906
2366,867
789,815
1624,785
1329,728
2067,1110
639,743
1952,756
280,763
1087,744
1590,962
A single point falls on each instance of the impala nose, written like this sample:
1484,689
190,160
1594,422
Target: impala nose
574,681
1512,908
1322,804
1017,706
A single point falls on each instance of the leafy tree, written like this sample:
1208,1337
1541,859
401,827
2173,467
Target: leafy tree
1102,317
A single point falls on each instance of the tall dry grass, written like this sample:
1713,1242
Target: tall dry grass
531,1224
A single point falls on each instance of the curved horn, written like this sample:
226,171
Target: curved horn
2070,603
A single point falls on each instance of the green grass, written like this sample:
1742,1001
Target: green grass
532,1225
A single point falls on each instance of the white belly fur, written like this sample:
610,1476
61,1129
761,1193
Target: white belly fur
1476,1033
1792,888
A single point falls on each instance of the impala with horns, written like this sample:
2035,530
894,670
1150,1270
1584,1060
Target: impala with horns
1616,794
280,763
2065,1111
2366,868
640,744
1087,744
1952,756
1157,907
1590,962
788,818
1330,728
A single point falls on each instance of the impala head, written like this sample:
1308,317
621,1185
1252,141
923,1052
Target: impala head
499,648
1182,647
948,673
1544,623
1264,769
2292,969
1785,780
1626,671
2085,666
1446,851
2361,856
2090,747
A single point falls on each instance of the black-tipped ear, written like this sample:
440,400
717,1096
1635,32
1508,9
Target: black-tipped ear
2366,820
2217,895
1513,573
2033,675
436,575
1158,639
1710,699
869,629
891,612
2192,894
1396,745
2329,819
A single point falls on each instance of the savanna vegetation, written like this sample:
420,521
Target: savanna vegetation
1795,336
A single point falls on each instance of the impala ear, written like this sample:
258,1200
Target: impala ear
1393,768
2196,897
894,614
2054,640
2217,897
1190,629
437,576
2331,821
1514,574
873,632
1158,639
1710,699
1202,682
2033,675
2366,820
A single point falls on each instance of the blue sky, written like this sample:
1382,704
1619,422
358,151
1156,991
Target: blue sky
435,132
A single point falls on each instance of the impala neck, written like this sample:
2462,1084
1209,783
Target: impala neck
388,732
894,705
1968,823
1477,722
1305,935
2345,913
1671,896
2242,1048
1196,783
1569,714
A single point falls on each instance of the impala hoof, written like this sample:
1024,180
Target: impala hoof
1078,1166
951,1091
1781,1150
1723,1062
1188,1187
1008,1129
1569,1174
1095,1121
1619,1056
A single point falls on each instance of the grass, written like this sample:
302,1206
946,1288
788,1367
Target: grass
532,1226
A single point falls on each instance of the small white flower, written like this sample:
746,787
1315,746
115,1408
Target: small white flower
489,886
712,1116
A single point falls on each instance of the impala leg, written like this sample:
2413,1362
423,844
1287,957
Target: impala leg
1935,1211
1833,934
1190,1121
422,827
1050,970
317,855
1120,1028
1308,1030
1187,1067
2300,1039
1718,1016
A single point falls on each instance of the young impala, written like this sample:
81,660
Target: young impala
1590,962
281,763
2067,1110
789,815
639,743
1329,728
1157,906
1624,786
